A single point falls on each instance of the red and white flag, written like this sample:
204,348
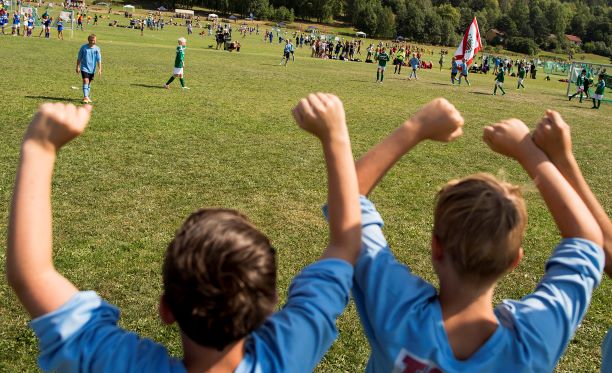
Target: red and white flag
470,45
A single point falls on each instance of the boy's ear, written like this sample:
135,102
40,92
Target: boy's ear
165,314
517,260
437,252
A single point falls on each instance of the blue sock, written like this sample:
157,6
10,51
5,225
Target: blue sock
88,89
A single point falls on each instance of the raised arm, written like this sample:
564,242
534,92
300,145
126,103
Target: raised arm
29,265
438,120
511,138
552,135
323,116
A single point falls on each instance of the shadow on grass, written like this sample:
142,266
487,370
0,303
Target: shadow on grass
158,86
49,98
482,93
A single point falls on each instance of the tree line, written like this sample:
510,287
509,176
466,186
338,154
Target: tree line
524,25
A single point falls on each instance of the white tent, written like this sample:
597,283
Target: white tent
212,16
129,7
360,34
184,13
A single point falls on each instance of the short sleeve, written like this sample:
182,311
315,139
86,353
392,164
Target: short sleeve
296,338
80,55
83,336
98,55
553,312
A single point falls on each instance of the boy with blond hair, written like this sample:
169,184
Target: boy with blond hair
479,223
179,64
219,271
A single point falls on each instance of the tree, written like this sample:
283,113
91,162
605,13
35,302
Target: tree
507,25
386,22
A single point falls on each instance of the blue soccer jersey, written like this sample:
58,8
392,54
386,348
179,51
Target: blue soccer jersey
83,336
16,19
606,353
402,317
89,57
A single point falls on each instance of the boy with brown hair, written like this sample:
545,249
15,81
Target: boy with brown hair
219,272
479,223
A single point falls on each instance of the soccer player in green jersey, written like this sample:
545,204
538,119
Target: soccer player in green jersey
579,85
382,58
499,82
521,76
599,91
179,64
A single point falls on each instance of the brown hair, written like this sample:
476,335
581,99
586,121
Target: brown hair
480,222
219,277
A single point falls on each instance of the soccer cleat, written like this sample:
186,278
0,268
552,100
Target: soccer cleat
185,88
166,86
86,100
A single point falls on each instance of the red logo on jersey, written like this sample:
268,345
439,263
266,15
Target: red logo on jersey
408,363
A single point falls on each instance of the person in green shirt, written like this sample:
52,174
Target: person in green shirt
579,85
499,82
382,58
399,61
599,91
179,64
521,76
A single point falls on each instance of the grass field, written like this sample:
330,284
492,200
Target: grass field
151,156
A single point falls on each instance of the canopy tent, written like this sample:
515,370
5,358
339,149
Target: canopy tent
162,8
232,17
360,34
399,38
212,16
312,28
184,13
101,4
129,7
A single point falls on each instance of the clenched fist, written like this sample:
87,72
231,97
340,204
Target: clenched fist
322,115
509,137
552,135
439,120
56,124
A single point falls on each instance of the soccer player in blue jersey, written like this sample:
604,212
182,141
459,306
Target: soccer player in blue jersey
29,19
286,52
553,136
219,272
89,56
60,28
478,227
414,64
3,19
16,24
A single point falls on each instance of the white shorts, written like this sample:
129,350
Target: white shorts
579,89
598,97
382,68
178,71
520,81
499,84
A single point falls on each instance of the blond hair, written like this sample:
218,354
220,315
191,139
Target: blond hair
182,40
480,222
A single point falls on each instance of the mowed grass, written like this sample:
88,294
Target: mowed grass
151,156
